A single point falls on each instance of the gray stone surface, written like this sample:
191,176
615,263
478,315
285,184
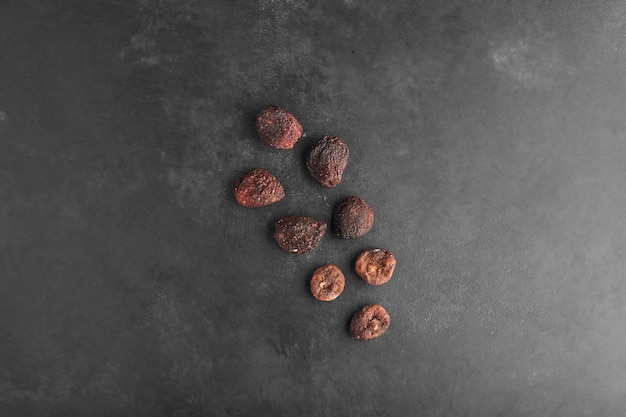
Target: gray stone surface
489,137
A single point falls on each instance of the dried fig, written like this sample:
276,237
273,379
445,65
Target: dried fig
369,322
327,282
258,188
375,266
277,127
327,160
353,218
298,234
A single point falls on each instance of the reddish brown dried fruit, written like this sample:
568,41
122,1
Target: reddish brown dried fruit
277,127
327,160
258,188
327,282
369,322
353,218
299,234
375,266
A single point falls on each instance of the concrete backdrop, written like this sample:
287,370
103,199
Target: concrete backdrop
489,137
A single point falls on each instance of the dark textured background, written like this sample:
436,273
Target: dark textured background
488,136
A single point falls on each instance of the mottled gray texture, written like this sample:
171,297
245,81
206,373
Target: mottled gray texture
489,138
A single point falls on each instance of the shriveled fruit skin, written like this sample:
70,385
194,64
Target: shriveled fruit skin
375,266
353,218
258,188
327,282
299,234
327,160
369,322
277,127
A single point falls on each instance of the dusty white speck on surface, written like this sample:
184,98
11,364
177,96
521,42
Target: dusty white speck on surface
534,61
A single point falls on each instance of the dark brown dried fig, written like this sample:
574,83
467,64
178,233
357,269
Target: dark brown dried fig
369,322
298,234
353,218
327,160
258,188
277,127
327,282
375,266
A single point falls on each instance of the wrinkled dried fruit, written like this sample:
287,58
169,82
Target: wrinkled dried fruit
327,282
258,188
353,218
298,234
369,322
375,266
327,160
277,127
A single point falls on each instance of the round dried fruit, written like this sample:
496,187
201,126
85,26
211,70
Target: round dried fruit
369,322
327,282
298,234
353,218
258,188
327,160
277,127
375,266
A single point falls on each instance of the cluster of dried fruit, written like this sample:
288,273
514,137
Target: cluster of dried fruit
326,162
